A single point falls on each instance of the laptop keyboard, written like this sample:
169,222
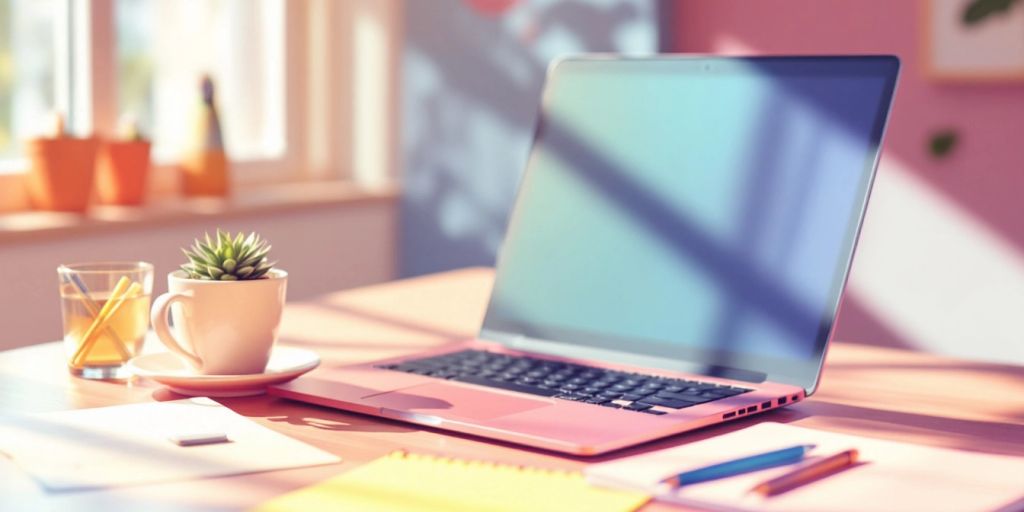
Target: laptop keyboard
568,381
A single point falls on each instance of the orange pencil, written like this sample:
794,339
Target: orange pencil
805,474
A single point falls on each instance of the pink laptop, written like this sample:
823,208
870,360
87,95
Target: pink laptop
675,257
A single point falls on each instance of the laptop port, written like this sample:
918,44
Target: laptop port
728,415
782,401
752,408
766,405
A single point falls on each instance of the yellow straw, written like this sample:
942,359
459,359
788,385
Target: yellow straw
89,340
94,310
109,308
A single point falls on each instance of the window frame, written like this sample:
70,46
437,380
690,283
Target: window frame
320,143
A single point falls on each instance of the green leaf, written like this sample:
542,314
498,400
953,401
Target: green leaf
229,265
244,272
251,261
980,10
214,272
242,252
942,143
228,277
209,254
263,268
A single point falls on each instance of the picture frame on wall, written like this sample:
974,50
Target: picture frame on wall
973,40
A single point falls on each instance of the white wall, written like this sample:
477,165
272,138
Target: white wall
324,248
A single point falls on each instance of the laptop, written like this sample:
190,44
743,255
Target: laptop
675,257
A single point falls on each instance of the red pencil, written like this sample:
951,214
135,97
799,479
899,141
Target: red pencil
806,473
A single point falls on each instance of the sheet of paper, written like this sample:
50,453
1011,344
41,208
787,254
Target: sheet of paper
128,444
891,476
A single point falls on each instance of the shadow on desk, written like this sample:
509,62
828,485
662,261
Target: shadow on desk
948,432
956,433
283,411
817,412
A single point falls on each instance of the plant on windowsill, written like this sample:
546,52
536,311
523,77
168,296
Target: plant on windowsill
122,167
60,174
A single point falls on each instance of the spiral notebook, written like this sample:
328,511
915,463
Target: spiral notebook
404,481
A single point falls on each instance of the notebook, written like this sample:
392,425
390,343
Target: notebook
128,445
402,481
892,476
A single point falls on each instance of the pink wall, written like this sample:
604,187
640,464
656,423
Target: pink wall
985,173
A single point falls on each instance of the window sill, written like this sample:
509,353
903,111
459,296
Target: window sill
28,226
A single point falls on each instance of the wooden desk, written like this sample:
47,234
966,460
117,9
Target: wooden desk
870,391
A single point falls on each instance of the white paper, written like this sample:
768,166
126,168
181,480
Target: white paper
890,476
128,445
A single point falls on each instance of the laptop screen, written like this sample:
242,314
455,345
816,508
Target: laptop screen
694,209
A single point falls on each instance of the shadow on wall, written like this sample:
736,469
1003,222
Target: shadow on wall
941,260
472,81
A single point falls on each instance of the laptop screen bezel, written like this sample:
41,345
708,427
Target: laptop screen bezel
748,366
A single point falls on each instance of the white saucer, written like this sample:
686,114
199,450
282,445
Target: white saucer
285,364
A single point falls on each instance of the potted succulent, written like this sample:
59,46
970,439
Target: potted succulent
122,167
228,258
226,303
60,172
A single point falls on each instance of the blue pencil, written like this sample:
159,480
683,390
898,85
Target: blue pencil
749,464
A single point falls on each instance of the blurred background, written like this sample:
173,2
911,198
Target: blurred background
372,140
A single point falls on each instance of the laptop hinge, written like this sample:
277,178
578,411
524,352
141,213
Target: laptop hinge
726,372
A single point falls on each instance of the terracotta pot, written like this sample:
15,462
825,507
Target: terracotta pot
205,173
121,171
61,172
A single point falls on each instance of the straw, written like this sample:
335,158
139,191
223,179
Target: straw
94,310
117,298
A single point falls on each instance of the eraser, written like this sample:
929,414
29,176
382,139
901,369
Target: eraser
194,439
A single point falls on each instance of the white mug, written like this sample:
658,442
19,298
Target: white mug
221,327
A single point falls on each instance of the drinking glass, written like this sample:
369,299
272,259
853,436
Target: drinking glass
106,314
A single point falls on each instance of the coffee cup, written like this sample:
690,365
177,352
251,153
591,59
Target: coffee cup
221,327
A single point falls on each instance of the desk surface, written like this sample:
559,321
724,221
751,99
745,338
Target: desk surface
871,391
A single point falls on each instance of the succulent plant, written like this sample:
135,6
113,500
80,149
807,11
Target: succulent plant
228,258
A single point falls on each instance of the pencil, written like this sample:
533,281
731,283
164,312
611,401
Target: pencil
122,290
94,309
807,473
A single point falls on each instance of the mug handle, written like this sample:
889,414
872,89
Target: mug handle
158,317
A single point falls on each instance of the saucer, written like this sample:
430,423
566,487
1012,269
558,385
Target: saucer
285,364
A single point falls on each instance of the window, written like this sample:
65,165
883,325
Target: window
28,71
285,75
164,46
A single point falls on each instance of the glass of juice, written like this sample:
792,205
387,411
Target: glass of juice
106,314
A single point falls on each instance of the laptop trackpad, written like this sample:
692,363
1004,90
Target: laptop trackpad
452,401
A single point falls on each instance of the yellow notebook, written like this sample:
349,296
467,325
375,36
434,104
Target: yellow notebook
402,481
